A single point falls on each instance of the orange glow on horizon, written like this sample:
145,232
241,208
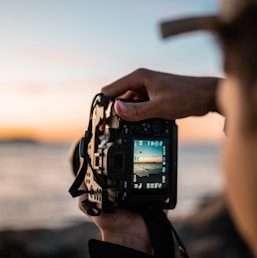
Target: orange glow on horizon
53,135
208,128
10,133
201,129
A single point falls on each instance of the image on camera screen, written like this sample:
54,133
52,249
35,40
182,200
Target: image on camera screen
150,164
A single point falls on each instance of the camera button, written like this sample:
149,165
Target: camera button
157,126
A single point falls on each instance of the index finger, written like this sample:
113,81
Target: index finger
134,82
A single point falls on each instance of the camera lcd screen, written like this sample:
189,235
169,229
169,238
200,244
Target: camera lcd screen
150,164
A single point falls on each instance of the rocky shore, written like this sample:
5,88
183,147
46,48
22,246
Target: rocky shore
208,233
69,242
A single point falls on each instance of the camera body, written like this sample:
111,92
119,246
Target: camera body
133,165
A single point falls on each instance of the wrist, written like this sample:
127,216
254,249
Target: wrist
140,243
213,85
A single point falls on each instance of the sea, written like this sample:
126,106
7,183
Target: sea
35,178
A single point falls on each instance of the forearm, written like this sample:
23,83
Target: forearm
213,83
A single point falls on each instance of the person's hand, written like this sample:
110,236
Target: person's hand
123,227
165,95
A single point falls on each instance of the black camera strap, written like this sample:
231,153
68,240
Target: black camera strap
162,234
74,189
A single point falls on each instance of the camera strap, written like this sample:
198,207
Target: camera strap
74,189
162,234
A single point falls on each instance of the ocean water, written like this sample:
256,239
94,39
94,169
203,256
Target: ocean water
35,179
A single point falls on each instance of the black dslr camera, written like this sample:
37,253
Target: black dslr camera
131,165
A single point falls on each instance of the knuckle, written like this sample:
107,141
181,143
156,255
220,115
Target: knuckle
141,72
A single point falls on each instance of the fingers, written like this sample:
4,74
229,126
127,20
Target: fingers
129,111
134,82
134,86
133,112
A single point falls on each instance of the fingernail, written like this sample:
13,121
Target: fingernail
122,107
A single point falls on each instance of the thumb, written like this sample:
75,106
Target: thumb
130,111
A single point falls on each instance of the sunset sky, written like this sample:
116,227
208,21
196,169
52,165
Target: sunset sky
55,55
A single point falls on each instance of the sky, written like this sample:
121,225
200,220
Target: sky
148,151
55,55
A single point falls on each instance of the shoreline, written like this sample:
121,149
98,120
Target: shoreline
208,232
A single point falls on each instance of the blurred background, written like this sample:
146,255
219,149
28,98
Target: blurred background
54,57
